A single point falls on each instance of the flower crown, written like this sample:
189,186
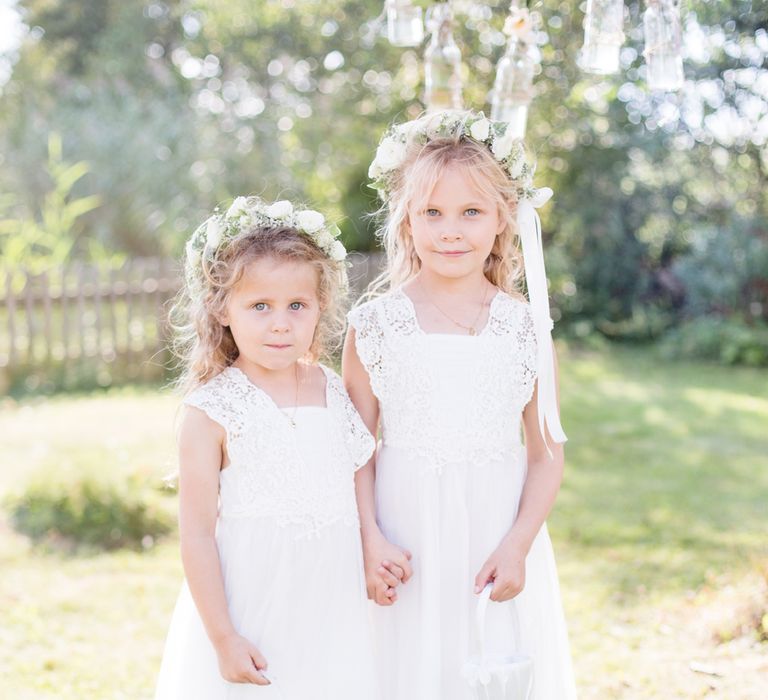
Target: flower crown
508,150
250,212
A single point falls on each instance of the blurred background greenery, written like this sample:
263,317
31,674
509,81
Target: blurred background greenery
123,122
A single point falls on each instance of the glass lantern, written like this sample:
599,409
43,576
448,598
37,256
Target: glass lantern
404,23
663,43
513,88
603,36
442,62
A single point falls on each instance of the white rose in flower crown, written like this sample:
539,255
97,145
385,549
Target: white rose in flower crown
213,233
237,208
502,145
193,254
310,221
406,129
337,251
433,124
279,210
480,129
389,154
375,171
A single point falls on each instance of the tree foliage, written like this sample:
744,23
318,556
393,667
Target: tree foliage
177,105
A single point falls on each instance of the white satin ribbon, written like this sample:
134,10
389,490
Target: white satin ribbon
529,228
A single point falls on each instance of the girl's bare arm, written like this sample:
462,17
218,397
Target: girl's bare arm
381,556
201,452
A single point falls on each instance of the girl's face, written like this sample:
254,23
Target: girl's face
455,228
273,313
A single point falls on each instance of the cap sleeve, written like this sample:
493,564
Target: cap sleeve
370,342
217,399
358,439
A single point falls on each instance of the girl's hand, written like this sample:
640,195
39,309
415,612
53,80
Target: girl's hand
240,661
506,569
382,558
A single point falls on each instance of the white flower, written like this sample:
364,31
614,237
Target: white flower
433,123
324,239
502,145
375,171
310,221
390,154
541,196
516,167
337,251
193,254
213,233
238,207
279,210
406,129
480,129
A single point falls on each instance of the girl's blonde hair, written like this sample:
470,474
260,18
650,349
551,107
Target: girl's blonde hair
203,345
412,184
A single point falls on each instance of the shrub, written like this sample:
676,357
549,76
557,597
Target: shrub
729,341
90,511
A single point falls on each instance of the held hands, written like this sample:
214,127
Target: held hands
240,661
386,566
505,568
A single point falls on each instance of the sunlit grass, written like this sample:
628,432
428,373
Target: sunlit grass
663,505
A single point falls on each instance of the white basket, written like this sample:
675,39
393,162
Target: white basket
493,676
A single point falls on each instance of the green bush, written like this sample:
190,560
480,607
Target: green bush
728,341
90,511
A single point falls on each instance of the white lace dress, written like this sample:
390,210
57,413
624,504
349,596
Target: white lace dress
289,542
449,474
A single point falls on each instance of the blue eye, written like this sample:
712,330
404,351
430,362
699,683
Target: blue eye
296,306
260,306
472,212
431,212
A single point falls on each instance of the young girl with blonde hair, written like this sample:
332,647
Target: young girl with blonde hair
449,363
274,602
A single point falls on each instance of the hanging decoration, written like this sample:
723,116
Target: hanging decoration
513,88
603,36
663,45
442,61
404,23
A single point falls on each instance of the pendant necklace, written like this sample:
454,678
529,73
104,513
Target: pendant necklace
292,417
472,328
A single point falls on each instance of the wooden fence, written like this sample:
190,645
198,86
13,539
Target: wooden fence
93,324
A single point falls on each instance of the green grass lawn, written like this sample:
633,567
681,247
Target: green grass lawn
661,534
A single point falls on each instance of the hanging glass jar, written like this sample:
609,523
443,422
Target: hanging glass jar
663,45
513,88
603,36
442,62
404,23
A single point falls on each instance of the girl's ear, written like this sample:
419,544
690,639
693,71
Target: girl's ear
407,224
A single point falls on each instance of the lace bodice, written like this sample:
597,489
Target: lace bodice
267,476
448,398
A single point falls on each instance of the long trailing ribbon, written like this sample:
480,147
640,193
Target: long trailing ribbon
529,227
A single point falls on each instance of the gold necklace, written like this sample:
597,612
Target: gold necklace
292,417
472,327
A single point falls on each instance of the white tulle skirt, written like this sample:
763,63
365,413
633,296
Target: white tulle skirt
301,601
451,520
